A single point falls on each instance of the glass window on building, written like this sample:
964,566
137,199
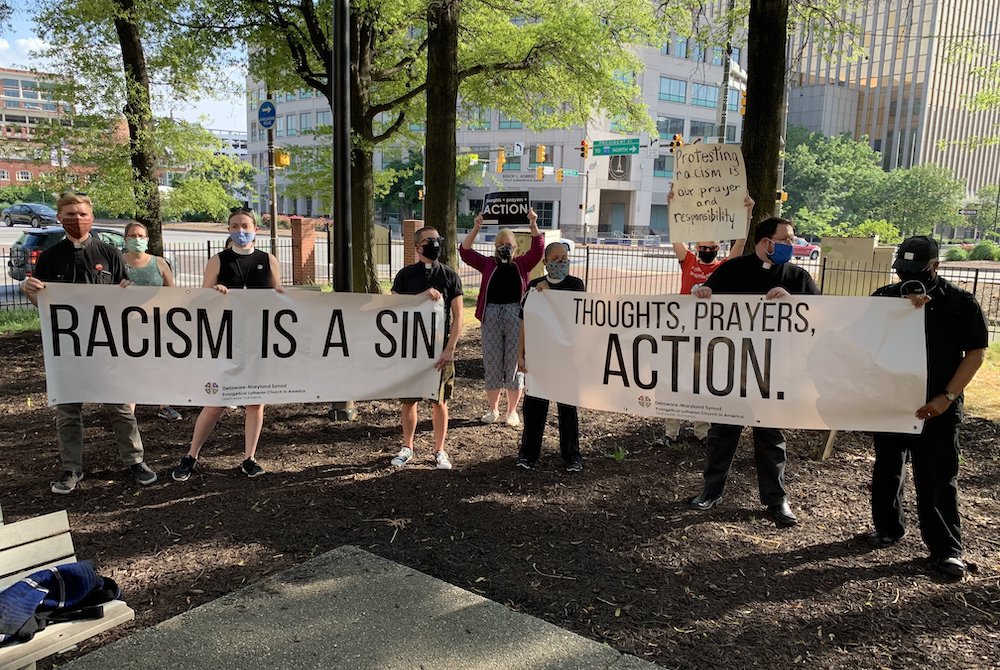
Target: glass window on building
23,175
697,52
668,126
733,101
324,118
253,130
730,133
533,153
418,127
704,95
305,121
718,55
279,126
544,211
290,128
477,118
507,123
4,175
289,96
673,90
663,166
702,129
513,164
681,47
737,54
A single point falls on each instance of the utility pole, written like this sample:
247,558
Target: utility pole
270,183
726,71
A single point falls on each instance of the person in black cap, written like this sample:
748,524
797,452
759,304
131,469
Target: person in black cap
957,338
766,271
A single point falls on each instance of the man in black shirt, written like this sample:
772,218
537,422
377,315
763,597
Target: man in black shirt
768,271
957,338
436,281
81,258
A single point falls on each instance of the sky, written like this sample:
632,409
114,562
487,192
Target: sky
225,114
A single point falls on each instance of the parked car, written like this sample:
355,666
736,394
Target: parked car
29,213
804,249
25,251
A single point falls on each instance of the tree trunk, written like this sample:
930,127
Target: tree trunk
762,125
440,180
139,116
363,37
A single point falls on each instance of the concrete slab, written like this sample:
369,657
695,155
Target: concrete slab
351,609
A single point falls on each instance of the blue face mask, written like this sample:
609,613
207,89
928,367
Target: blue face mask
242,237
782,253
557,271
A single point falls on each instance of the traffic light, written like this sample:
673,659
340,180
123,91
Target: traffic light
501,159
584,148
743,102
420,194
559,176
677,142
282,158
539,173
781,196
540,153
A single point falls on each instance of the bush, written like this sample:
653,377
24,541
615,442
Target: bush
985,251
956,254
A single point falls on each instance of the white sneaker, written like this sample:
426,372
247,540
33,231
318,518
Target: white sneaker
442,461
403,457
513,420
490,417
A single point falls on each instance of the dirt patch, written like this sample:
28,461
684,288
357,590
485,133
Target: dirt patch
611,553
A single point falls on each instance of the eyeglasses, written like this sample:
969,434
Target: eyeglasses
708,248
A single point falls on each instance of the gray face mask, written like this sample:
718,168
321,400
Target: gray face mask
557,271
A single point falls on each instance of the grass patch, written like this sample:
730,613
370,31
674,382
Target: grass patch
982,397
18,320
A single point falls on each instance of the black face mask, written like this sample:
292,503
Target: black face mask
431,249
707,256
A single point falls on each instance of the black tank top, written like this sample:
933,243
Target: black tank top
238,271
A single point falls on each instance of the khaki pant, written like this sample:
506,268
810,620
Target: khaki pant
69,428
672,428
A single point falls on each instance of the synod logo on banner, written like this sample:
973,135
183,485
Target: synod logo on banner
200,347
710,182
812,362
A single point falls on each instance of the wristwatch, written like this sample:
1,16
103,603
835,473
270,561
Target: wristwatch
952,397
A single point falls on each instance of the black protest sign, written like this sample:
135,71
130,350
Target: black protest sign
507,208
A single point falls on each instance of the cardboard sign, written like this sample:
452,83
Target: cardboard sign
710,183
506,208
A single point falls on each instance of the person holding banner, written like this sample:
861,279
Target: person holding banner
240,266
767,271
81,258
145,269
437,281
498,308
695,269
957,337
557,278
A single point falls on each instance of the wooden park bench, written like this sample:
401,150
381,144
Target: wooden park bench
31,545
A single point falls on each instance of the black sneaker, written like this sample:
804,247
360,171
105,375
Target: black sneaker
576,465
251,468
183,471
881,540
525,463
142,473
952,566
67,482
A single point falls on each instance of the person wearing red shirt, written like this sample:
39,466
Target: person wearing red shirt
696,268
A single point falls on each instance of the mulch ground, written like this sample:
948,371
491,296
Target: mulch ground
611,553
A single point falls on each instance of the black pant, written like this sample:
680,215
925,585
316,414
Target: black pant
769,454
934,454
535,411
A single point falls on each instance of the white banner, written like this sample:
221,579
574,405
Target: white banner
710,182
811,362
200,347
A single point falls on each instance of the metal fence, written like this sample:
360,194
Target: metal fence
605,269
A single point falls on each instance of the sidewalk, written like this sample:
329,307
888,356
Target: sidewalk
353,610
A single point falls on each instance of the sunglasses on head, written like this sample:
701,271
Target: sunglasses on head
244,210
